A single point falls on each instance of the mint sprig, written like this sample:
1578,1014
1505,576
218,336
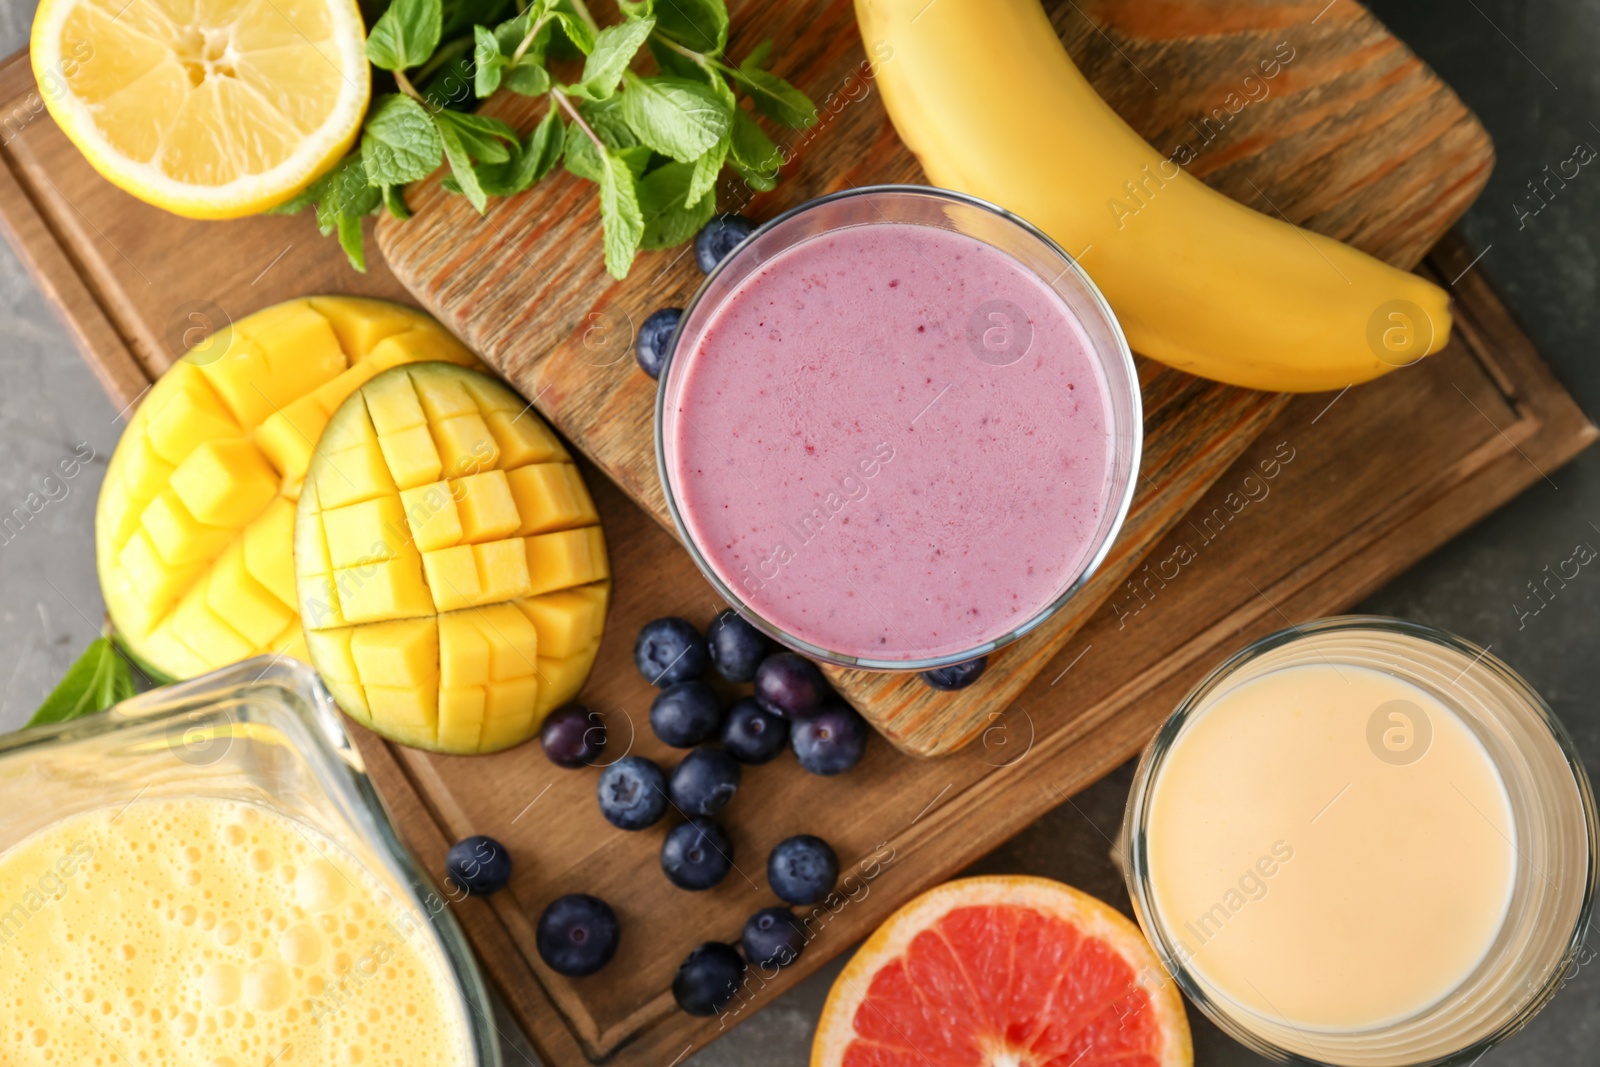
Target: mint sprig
100,678
654,144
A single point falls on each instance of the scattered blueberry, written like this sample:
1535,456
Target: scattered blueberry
957,675
703,782
752,734
669,650
708,978
573,736
478,864
633,793
577,935
650,347
737,648
719,237
789,685
696,854
686,714
802,869
831,741
773,937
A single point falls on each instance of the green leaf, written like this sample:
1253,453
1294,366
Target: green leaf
701,25
530,161
99,679
676,117
455,150
487,62
574,26
637,9
406,34
679,65
752,149
451,87
400,143
773,96
605,119
672,214
394,198
345,192
483,138
704,176
350,240
526,78
614,49
459,16
619,213
545,144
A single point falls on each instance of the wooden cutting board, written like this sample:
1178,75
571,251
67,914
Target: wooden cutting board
1351,136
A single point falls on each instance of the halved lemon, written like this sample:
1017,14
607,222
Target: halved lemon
210,109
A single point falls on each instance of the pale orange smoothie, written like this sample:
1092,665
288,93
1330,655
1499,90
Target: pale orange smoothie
211,933
1331,847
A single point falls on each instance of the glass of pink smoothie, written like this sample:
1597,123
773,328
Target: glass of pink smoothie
899,428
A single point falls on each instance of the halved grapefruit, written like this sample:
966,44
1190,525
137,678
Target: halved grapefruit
1004,972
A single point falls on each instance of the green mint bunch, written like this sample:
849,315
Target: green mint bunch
654,145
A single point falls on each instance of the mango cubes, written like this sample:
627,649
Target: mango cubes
452,575
194,531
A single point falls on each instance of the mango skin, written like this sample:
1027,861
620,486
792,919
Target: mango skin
451,568
194,523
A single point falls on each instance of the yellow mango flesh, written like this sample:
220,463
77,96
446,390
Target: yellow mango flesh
451,570
194,532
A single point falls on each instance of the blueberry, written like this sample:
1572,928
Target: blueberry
577,935
789,685
831,741
773,937
573,736
708,978
719,237
686,714
633,793
802,869
703,782
650,347
669,650
478,864
752,734
696,854
957,675
737,648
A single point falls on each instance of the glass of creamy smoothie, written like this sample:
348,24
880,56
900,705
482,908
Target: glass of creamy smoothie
1364,841
204,875
899,428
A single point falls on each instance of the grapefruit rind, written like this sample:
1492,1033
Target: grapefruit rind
1094,918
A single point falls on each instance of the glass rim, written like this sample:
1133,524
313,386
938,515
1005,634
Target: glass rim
1121,359
1133,835
339,770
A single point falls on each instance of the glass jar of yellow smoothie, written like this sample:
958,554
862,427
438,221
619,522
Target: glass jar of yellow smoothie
204,875
1363,842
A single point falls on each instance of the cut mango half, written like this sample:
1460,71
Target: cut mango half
452,574
194,530
211,109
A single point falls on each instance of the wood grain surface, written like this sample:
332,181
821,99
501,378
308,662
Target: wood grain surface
1352,136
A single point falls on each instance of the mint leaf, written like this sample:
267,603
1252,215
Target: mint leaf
406,34
619,213
394,198
529,161
679,65
99,679
701,25
399,143
350,240
672,214
703,178
455,150
774,97
346,193
483,138
674,116
526,78
487,62
637,9
613,50
754,155
575,26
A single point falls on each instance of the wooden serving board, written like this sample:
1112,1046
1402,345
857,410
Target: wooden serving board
1351,136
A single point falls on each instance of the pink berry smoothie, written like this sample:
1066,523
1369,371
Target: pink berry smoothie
892,441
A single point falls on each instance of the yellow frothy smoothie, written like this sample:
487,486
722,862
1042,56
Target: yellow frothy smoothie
200,932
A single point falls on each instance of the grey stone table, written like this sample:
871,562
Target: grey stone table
1527,68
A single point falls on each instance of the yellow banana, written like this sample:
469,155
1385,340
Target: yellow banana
984,94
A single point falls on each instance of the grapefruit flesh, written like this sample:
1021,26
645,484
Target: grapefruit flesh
1004,972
